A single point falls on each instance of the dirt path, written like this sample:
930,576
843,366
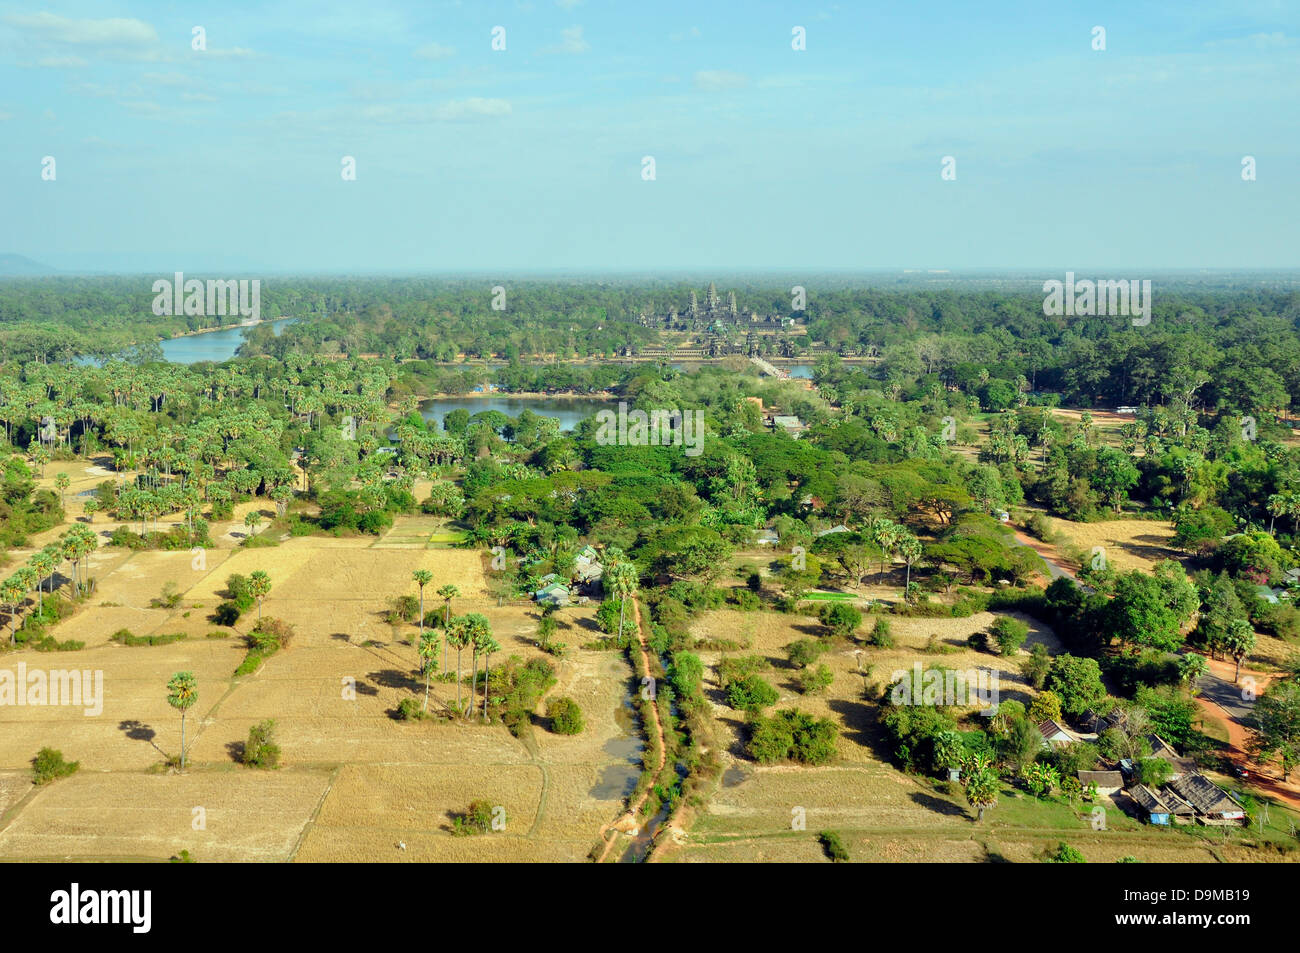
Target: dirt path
1239,736
1048,552
627,822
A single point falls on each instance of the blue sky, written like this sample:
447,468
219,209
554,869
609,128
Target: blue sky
470,159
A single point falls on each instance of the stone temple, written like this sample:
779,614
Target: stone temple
714,315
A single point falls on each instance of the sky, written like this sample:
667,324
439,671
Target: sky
229,158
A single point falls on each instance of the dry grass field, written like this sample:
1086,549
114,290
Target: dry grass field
1129,544
354,781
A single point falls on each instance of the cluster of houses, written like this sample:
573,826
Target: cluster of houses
1188,797
578,588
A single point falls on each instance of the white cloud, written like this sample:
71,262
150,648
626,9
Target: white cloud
571,41
712,80
456,110
234,53
434,51
62,62
111,32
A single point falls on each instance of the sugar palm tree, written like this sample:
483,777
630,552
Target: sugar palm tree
43,561
458,636
622,579
477,629
259,587
490,645
422,578
253,519
428,649
182,693
447,593
62,481
12,593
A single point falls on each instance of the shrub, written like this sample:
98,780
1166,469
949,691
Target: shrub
814,680
411,709
1046,705
751,693
48,765
565,715
1065,854
833,846
840,618
261,751
240,591
793,735
882,635
476,819
803,652
125,637
1009,634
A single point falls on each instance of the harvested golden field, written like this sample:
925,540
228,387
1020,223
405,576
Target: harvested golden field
354,780
1128,544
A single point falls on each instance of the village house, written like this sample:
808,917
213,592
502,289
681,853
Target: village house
1054,734
1108,783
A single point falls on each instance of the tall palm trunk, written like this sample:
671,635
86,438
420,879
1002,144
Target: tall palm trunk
487,671
458,708
473,685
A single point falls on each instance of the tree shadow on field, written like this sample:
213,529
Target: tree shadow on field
938,805
392,678
815,629
236,751
589,624
341,636
139,731
859,723
368,690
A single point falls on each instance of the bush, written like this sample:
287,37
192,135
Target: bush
565,715
1065,854
882,635
411,709
795,736
803,652
261,751
476,819
1046,706
125,637
48,765
1009,634
240,591
840,618
833,846
814,680
751,693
